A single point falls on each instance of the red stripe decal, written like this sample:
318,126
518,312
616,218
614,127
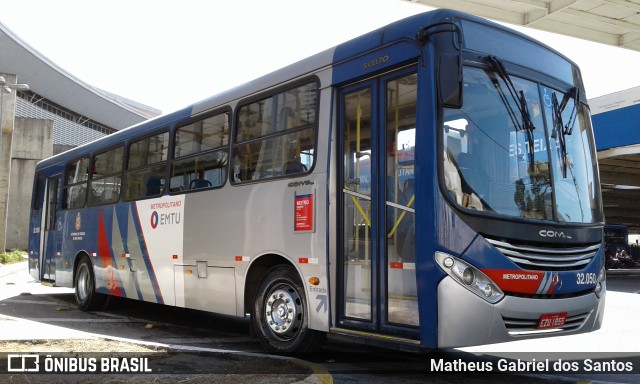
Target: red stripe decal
104,251
515,280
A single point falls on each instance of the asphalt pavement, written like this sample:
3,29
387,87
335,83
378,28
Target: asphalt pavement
166,363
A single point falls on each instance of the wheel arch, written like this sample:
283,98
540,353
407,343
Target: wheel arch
256,272
79,256
267,276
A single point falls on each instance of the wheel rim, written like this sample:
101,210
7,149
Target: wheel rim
283,311
83,283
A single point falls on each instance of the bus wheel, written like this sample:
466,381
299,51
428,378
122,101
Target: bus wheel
279,313
85,287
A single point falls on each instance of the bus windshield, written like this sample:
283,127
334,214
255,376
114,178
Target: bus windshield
520,149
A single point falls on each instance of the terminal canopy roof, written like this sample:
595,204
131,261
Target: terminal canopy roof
611,22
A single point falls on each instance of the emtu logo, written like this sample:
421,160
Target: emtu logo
155,218
165,218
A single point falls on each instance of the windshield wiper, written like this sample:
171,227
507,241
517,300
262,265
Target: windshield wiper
524,123
561,130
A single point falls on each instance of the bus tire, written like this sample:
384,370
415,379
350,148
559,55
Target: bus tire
280,316
85,287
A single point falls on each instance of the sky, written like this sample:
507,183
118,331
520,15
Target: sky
167,53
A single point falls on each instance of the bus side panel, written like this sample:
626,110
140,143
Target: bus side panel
122,263
134,248
84,233
131,246
161,228
212,289
234,226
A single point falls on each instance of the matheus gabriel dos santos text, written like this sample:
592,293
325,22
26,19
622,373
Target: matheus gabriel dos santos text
533,365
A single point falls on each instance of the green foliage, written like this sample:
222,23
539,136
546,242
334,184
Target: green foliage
13,256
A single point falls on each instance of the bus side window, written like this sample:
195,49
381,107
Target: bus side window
276,135
200,154
106,178
75,180
145,174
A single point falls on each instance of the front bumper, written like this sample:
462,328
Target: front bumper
465,319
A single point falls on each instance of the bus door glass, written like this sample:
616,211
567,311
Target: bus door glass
377,265
36,225
51,240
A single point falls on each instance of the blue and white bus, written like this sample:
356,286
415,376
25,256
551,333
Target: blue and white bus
430,184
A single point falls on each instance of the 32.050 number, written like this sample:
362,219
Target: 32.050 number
586,278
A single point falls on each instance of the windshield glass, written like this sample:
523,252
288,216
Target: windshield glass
500,156
575,170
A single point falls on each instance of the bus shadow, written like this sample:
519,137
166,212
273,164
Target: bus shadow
41,316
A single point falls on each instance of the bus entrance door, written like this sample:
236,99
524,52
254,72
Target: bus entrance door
376,270
51,240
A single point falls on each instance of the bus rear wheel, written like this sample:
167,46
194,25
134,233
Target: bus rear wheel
280,313
85,287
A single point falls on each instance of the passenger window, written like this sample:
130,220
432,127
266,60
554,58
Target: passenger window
276,136
201,154
146,167
76,175
107,176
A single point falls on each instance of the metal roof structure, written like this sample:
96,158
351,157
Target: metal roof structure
611,22
616,121
54,83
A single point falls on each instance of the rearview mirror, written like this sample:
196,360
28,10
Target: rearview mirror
450,80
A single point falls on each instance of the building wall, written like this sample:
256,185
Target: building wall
32,142
29,134
65,131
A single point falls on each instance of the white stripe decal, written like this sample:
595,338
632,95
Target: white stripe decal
542,284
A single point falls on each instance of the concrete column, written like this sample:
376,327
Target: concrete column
32,142
7,113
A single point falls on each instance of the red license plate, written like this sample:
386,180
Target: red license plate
552,320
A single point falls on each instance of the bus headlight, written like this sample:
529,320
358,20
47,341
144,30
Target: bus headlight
469,277
602,276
